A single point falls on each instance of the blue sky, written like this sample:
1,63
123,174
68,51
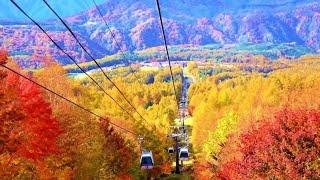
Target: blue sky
37,9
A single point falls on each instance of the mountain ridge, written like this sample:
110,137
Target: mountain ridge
135,25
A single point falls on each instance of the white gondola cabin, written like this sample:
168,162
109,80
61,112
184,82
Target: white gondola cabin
170,150
146,161
184,154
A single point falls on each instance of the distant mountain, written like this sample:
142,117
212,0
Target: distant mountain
37,8
135,25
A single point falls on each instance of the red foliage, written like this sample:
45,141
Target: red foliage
10,117
203,171
41,127
124,177
286,147
33,133
3,56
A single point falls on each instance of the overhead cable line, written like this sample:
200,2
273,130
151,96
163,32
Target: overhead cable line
75,62
114,37
90,55
166,48
66,99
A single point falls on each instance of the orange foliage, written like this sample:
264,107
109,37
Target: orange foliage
166,168
203,171
28,129
3,56
40,128
118,154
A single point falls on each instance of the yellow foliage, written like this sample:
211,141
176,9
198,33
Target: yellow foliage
228,103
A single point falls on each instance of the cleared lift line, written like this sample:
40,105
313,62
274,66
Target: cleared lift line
66,99
75,62
182,153
90,55
167,52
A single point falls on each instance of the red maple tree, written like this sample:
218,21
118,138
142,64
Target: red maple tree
288,146
28,128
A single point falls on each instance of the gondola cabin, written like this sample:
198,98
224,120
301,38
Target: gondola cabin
184,154
146,161
170,150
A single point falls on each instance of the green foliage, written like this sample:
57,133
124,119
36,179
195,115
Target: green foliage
225,126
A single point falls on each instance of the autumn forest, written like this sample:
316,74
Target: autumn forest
245,124
197,89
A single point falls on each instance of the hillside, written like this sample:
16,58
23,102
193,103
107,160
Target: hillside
135,25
